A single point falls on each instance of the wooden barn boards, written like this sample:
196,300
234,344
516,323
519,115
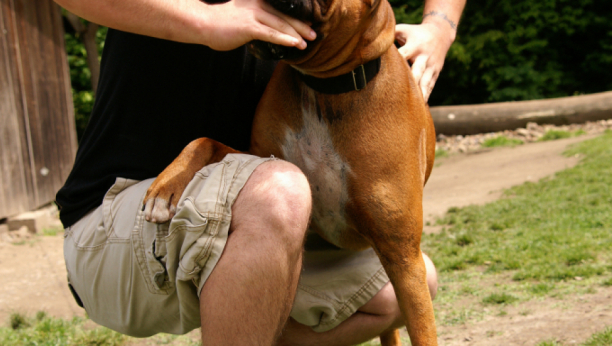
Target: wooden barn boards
37,134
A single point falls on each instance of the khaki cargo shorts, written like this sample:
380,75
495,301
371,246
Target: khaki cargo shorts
142,278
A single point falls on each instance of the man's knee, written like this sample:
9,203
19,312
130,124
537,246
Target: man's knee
278,194
384,304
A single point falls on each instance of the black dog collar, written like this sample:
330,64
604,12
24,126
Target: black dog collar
352,81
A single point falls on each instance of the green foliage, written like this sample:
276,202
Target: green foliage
554,230
501,141
407,11
509,50
80,76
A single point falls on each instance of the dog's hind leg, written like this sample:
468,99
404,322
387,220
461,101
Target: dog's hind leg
390,338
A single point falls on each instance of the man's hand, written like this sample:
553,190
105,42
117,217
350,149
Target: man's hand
426,45
237,22
220,26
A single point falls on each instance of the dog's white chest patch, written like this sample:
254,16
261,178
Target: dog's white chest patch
312,150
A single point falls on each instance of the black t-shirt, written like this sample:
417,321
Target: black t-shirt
154,97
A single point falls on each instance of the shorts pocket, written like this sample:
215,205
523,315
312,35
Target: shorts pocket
199,233
149,243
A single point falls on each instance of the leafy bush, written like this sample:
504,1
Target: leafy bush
80,75
511,50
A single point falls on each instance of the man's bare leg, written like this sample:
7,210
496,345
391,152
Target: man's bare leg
381,313
247,298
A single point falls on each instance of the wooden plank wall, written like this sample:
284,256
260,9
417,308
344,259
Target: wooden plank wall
37,133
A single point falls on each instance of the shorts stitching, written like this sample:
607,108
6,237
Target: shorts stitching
118,240
86,248
244,166
205,251
141,256
111,217
223,190
318,294
346,305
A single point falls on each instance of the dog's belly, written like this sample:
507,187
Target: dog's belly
311,148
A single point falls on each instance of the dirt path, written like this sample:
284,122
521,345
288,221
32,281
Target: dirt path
571,321
480,177
34,277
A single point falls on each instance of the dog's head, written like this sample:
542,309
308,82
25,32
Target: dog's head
346,30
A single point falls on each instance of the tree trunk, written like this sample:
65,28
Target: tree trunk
493,117
87,35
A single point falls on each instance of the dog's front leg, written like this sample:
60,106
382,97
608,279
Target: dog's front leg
163,195
392,223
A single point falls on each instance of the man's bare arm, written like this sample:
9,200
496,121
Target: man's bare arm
426,45
221,26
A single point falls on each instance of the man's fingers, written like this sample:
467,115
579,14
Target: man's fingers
418,68
402,32
428,81
303,29
408,51
286,24
278,31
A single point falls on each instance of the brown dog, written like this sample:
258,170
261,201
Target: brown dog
367,153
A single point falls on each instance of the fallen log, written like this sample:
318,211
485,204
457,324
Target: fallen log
493,117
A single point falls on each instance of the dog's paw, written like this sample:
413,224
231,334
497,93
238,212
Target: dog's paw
162,198
159,209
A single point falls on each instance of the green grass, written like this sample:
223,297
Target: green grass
501,141
51,232
552,135
499,298
47,331
550,231
441,153
550,343
603,338
43,330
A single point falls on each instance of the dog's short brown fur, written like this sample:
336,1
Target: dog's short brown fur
367,154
